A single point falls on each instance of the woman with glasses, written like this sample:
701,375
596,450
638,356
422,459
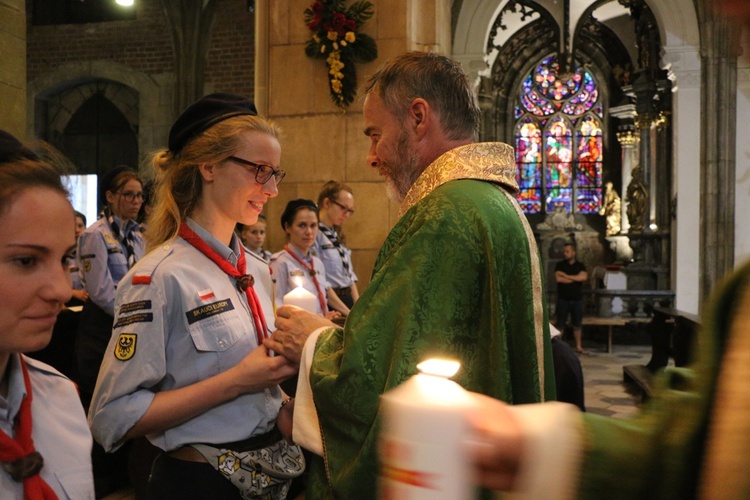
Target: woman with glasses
106,251
336,203
186,365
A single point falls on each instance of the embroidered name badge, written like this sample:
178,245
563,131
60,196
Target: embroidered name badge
212,309
125,348
327,247
135,318
296,272
135,306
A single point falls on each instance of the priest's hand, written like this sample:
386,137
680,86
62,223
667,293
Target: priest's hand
293,326
498,443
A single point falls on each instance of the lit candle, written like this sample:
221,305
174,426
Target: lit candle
300,297
423,452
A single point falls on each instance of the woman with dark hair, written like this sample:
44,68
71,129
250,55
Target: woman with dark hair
45,445
79,294
295,265
186,365
336,203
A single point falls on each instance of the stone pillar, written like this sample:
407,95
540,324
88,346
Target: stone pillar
321,142
719,49
13,67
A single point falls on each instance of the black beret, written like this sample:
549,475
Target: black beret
204,113
292,207
12,149
106,180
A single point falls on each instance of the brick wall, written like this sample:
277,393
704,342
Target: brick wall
145,44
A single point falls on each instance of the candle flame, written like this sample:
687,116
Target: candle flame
297,280
439,367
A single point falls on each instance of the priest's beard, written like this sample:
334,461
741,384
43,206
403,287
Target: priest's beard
403,171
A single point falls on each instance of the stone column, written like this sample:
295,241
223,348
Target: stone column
719,49
13,67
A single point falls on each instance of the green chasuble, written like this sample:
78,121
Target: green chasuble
458,277
693,436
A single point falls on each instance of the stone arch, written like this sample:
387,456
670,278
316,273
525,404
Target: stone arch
147,105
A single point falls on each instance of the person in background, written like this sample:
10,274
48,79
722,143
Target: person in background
570,274
295,265
458,277
336,203
79,294
253,237
186,365
106,251
45,445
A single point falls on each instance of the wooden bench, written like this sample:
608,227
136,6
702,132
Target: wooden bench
672,335
613,321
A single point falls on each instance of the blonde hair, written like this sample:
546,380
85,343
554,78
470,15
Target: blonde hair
178,183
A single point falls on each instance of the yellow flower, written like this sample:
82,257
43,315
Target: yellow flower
343,43
322,49
336,86
316,38
335,46
332,35
350,37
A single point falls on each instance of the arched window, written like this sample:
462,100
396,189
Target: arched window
558,135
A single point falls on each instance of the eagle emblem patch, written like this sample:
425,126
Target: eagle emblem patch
125,348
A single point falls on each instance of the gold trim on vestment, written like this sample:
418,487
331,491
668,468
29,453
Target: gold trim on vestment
484,161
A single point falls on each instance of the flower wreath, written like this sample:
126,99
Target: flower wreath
335,38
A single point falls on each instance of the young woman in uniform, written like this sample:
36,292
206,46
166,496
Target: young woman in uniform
186,365
45,445
336,203
106,250
295,265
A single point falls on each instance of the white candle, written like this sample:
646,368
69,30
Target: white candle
302,298
423,438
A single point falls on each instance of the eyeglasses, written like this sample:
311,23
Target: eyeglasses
263,173
347,211
132,196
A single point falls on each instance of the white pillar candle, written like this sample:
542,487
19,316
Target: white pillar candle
423,452
300,297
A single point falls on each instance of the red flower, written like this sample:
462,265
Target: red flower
313,25
339,21
351,25
317,7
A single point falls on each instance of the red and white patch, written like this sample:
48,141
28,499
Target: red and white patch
206,294
141,279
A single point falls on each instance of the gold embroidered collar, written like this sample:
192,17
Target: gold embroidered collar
486,161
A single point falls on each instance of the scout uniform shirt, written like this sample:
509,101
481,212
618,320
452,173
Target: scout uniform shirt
59,430
180,319
103,261
339,269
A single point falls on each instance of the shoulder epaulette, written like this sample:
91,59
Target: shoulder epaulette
149,263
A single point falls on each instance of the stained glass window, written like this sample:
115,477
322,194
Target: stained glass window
558,141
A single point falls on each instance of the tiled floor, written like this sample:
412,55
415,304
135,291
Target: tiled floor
605,391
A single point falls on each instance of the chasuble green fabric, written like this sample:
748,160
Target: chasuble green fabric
665,452
458,277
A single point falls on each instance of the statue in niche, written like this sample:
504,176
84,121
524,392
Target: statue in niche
637,198
611,209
